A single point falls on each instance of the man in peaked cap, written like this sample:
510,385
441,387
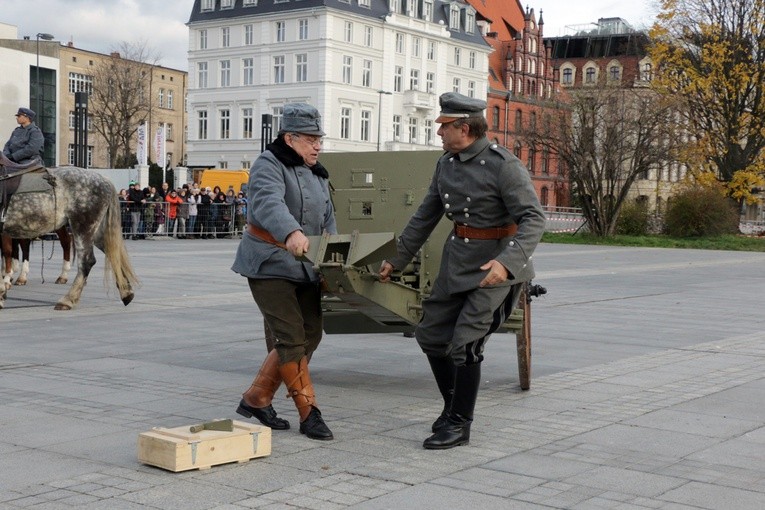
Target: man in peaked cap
289,200
27,141
498,221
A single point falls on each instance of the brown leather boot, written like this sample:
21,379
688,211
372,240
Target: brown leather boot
298,381
256,401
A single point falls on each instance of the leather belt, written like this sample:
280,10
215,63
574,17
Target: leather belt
485,233
264,235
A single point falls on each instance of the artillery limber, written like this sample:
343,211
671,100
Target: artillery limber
374,196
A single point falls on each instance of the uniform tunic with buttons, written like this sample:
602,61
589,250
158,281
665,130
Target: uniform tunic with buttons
25,144
282,199
482,186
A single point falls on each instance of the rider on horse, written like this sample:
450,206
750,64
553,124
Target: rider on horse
27,141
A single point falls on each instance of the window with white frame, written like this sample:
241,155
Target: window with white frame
348,32
345,123
276,118
456,83
203,39
414,79
226,4
303,29
202,75
457,56
366,74
248,71
247,124
427,10
70,155
249,35
399,43
471,60
279,69
469,21
301,67
366,124
416,43
280,31
430,83
454,17
170,104
225,37
347,69
590,75
429,132
398,79
364,3
471,88
368,36
202,124
646,71
413,129
614,72
207,5
567,76
431,50
249,3
397,127
161,98
225,124
80,83
225,73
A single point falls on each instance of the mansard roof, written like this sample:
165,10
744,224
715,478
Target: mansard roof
377,10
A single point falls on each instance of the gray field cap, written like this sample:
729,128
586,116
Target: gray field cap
456,106
301,118
26,111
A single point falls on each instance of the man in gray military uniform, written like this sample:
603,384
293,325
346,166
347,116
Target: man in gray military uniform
488,194
26,141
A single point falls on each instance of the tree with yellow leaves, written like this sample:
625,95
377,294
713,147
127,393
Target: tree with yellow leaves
711,56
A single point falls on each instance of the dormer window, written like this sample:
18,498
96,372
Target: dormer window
454,17
207,5
427,10
226,4
469,21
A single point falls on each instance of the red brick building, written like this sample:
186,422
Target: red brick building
522,85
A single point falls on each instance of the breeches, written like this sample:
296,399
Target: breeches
292,312
458,325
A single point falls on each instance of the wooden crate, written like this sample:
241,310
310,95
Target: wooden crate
178,449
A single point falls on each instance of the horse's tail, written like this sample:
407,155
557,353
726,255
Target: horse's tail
115,251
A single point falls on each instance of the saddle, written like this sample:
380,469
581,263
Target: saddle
10,179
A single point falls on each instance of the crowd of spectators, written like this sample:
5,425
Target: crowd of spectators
186,212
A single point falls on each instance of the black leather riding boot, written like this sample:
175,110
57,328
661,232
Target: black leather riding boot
456,430
443,370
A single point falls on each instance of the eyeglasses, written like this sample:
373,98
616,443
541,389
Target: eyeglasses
312,140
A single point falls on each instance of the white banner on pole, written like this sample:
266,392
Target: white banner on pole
141,146
159,146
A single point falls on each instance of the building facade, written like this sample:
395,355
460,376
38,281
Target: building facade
373,68
611,53
44,76
167,88
522,86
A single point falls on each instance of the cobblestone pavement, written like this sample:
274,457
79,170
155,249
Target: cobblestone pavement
648,391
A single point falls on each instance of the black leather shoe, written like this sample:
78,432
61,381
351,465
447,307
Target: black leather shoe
265,415
314,427
454,432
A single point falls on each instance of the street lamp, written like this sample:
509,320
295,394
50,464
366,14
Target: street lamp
38,89
379,114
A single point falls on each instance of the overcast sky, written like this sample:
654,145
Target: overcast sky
102,25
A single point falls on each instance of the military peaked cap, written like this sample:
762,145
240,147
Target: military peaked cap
456,106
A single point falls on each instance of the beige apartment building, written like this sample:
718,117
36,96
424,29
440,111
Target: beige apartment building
168,90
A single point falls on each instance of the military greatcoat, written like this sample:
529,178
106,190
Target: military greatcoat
482,186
